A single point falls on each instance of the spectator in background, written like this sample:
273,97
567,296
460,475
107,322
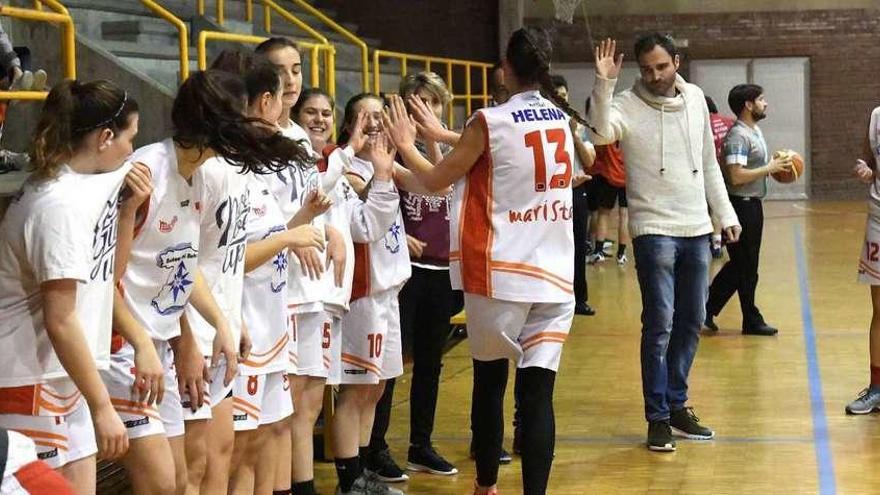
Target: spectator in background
16,77
585,154
499,91
608,189
721,125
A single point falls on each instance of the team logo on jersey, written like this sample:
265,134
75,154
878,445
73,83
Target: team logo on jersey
279,263
104,241
392,238
259,211
231,219
167,226
177,261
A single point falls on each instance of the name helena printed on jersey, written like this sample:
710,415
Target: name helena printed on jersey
538,115
556,211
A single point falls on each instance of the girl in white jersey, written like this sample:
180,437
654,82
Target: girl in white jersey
362,221
868,400
511,249
161,275
57,243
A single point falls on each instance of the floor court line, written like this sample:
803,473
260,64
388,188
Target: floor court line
821,439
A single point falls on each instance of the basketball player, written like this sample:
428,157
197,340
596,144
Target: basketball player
358,221
161,275
747,164
56,265
371,343
511,249
868,400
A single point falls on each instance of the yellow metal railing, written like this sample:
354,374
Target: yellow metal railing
450,64
313,49
345,33
320,46
182,34
59,15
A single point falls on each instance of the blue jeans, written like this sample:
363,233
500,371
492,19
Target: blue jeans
673,277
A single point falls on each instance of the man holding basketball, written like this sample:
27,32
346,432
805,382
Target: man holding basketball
663,127
746,165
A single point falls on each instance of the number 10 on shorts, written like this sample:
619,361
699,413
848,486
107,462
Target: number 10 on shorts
375,343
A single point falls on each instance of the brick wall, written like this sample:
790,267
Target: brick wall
465,29
844,51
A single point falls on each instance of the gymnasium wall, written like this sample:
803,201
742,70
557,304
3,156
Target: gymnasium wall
844,54
451,28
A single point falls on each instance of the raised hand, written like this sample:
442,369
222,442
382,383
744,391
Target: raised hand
381,152
357,139
399,125
607,64
427,124
317,203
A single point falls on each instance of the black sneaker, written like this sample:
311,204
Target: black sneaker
686,424
584,309
762,329
709,323
660,437
427,460
382,465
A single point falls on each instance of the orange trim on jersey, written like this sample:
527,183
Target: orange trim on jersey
74,395
19,400
272,353
476,233
541,341
41,434
360,285
454,255
38,477
351,359
134,408
535,272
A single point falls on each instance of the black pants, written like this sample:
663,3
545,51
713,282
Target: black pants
427,301
580,221
740,274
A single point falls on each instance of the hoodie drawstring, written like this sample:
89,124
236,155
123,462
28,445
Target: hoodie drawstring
662,140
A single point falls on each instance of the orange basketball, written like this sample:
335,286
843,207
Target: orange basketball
797,167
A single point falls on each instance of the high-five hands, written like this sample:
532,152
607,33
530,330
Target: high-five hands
607,64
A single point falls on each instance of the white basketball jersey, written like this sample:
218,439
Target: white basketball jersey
874,142
162,266
64,228
223,205
383,264
511,229
265,288
291,188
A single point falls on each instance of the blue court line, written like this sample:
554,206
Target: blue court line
821,437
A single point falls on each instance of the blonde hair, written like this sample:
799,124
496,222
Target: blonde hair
428,80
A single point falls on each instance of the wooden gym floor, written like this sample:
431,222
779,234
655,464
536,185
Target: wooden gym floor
777,404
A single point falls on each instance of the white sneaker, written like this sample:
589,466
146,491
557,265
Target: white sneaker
596,258
621,259
24,83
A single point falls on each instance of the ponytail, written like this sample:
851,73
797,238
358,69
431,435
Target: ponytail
72,111
209,113
549,90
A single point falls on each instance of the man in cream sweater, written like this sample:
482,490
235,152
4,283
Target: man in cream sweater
672,174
